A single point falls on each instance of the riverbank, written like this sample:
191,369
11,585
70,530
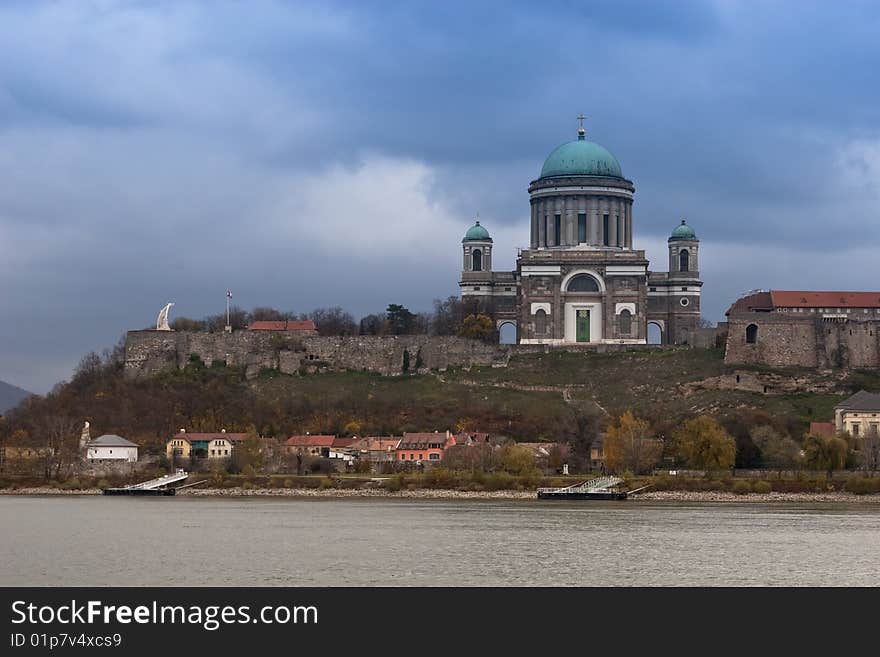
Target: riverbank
443,494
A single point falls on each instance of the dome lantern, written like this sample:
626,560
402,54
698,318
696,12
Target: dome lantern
477,233
683,232
581,158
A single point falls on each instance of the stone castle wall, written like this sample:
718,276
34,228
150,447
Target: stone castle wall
786,340
149,352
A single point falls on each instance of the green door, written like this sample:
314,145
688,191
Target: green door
583,326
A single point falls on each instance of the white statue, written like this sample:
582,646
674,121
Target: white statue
162,319
85,437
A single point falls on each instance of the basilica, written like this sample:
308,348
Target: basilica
580,281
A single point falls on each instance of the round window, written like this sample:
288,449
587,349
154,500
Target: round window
684,302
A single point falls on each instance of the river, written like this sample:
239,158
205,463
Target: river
190,541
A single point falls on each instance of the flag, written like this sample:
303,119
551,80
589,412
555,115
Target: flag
228,294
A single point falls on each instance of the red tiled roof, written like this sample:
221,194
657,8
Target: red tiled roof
377,443
283,325
752,302
421,440
822,428
793,299
310,441
344,442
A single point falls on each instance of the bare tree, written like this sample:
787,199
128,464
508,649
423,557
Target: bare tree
869,452
60,439
333,321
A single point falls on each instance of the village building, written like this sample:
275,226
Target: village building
469,439
858,415
822,428
377,449
310,445
214,445
796,328
421,447
580,281
111,447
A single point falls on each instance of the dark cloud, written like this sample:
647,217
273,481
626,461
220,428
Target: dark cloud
305,154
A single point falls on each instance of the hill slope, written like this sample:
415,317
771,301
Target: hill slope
551,396
10,395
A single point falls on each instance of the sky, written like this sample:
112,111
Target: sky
307,155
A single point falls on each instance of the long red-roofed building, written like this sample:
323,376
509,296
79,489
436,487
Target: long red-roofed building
801,328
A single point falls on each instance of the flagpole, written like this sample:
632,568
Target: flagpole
228,296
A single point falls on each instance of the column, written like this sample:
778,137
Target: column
534,226
592,231
612,221
629,225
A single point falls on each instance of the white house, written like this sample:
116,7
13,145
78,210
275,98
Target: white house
110,447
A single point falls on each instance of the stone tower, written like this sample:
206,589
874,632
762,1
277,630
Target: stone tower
476,248
674,296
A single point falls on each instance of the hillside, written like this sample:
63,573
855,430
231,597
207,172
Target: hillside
553,396
10,396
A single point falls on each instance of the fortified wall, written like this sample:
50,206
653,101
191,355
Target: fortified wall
781,339
149,352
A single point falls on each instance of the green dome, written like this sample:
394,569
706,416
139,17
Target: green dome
581,158
683,232
477,233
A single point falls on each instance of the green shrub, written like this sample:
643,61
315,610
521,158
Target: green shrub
72,484
325,484
103,483
762,487
499,481
393,484
288,483
742,487
862,485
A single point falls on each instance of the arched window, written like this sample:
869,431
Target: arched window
540,322
751,334
683,262
583,283
477,258
626,319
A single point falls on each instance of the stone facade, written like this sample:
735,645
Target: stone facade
789,328
149,352
580,281
786,340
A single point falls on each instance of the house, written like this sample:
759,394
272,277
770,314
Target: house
469,439
420,447
111,447
822,428
859,414
377,449
295,327
597,454
215,445
309,445
17,452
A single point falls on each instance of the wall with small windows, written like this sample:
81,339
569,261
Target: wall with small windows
794,339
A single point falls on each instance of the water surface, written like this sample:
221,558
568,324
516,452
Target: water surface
190,541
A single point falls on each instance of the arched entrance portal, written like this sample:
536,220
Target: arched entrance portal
655,333
507,333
